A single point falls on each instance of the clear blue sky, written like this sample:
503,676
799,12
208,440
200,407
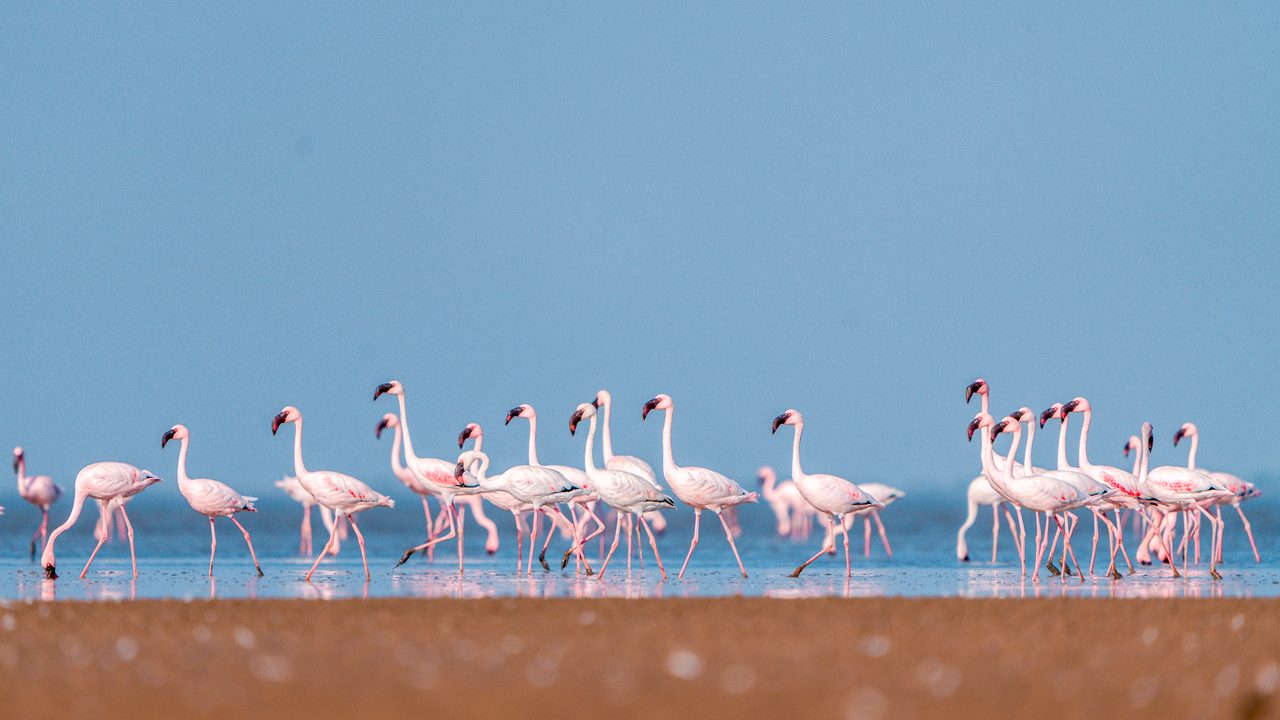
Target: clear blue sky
209,213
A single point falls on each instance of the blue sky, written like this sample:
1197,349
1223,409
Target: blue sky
211,212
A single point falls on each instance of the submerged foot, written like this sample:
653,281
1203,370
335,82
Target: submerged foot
405,558
1052,568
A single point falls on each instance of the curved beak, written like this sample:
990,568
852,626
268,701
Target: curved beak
1070,407
999,428
595,403
573,422
1126,449
164,439
458,470
17,460
647,407
382,425
779,422
969,391
1151,442
462,436
973,427
276,422
1046,416
1178,436
381,390
512,413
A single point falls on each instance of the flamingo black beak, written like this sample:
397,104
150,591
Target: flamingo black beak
458,471
647,407
512,413
779,421
382,425
17,460
381,390
1047,415
595,402
1151,442
462,436
999,428
276,422
573,422
50,572
1126,449
973,427
1070,407
974,387
168,435
1176,438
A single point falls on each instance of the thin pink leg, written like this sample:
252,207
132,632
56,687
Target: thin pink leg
1120,542
574,526
639,543
428,544
1093,554
1043,541
304,544
995,531
827,541
460,522
629,534
734,545
866,535
213,544
1164,545
884,537
542,558
93,554
128,526
582,544
697,517
533,540
1213,547
617,535
1248,530
333,532
848,562
249,542
653,543
359,538
1013,533
519,541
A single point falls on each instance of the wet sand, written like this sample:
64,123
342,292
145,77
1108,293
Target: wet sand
753,657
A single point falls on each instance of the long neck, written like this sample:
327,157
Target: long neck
1062,444
533,440
1195,444
182,462
606,438
986,405
1031,439
478,442
404,426
1084,439
1137,463
22,474
46,556
796,472
397,466
497,482
1142,466
298,468
588,458
769,487
988,456
668,464
1007,477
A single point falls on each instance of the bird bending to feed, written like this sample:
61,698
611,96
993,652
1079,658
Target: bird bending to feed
697,487
209,497
832,496
342,494
624,491
298,494
113,483
39,490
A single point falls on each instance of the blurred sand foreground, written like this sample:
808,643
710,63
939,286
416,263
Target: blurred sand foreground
829,658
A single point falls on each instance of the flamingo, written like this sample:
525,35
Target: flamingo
624,491
210,497
981,493
832,496
112,482
578,477
778,495
344,495
887,495
298,494
1240,489
697,487
402,473
537,485
1188,490
501,499
437,475
39,490
627,463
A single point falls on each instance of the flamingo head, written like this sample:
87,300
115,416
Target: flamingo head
520,411
17,458
980,420
977,387
388,421
1076,405
603,399
288,415
1006,424
788,417
1023,414
472,430
765,474
1187,430
1051,412
388,388
659,402
177,432
1148,434
466,462
585,410
1133,444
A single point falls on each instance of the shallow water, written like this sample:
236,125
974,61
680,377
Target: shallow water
173,561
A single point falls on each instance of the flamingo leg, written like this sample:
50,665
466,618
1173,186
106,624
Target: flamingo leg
1013,533
333,533
213,544
962,548
460,521
128,526
1042,541
304,542
617,535
92,555
533,541
639,542
1248,530
1066,543
1213,547
653,543
629,521
827,541
848,561
1120,542
1164,545
995,531
884,537
1052,546
734,546
574,525
542,558
866,535
359,538
439,539
697,517
1093,553
599,530
249,542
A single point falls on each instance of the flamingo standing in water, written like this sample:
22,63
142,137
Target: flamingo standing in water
1188,490
344,495
697,487
501,499
784,499
112,482
887,495
623,491
210,497
298,494
1240,489
832,496
402,473
978,495
39,490
626,463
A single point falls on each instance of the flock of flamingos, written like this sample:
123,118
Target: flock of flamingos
1153,498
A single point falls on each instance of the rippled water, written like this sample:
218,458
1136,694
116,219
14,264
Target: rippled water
173,560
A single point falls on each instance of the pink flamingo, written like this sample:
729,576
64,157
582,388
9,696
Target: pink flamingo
1240,489
402,473
113,483
298,494
981,493
697,487
982,389
344,495
626,463
1125,485
578,477
781,498
1188,490
439,475
502,500
39,490
625,492
887,495
832,496
210,497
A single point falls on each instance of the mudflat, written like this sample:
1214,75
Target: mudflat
740,657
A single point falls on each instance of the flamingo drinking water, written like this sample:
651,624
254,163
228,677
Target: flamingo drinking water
111,482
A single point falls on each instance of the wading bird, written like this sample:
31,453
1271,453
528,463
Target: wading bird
113,483
39,490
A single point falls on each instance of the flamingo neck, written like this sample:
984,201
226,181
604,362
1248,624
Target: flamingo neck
588,458
1084,439
410,456
533,440
796,471
477,442
668,463
1137,462
1062,445
1144,459
987,454
182,462
22,475
769,488
397,465
1007,477
1031,438
986,404
47,557
298,468
606,438
1191,457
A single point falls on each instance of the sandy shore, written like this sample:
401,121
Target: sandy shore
860,658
